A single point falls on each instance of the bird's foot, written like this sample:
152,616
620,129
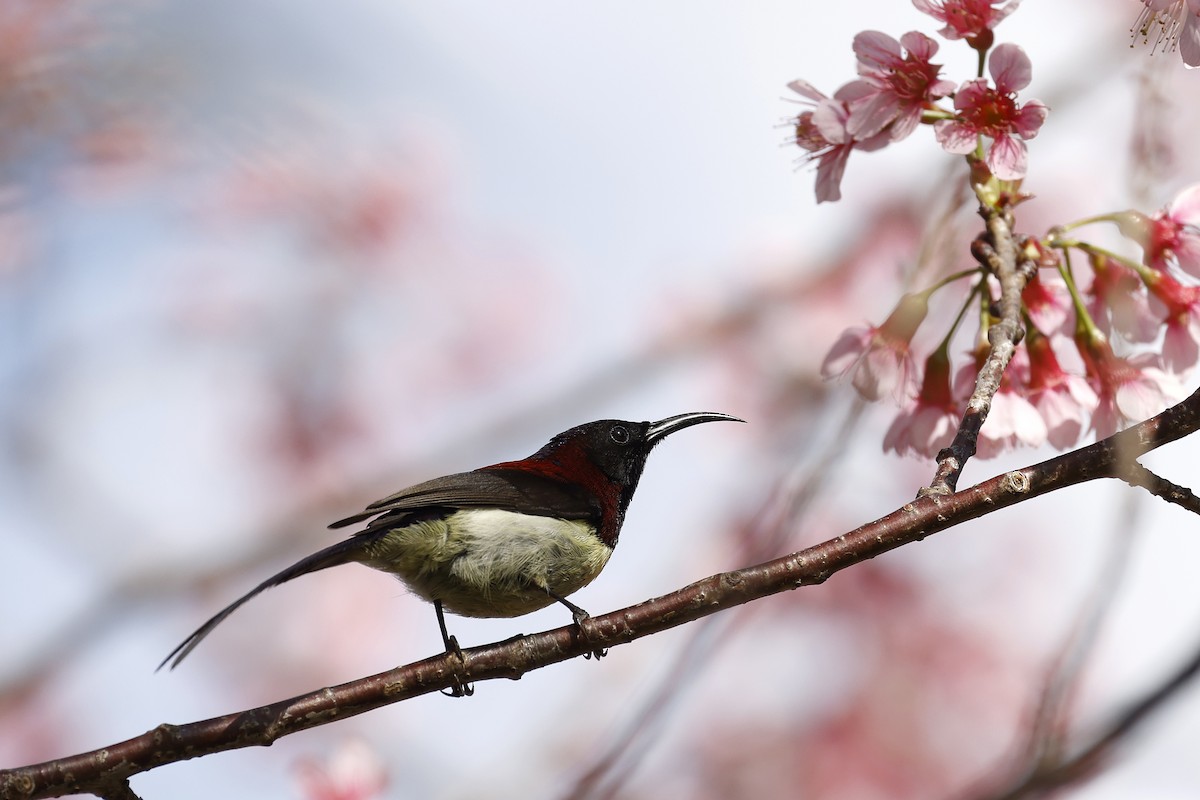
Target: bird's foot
460,688
579,616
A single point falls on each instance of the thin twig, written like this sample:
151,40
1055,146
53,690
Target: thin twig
1046,740
1090,757
997,250
120,790
1138,475
1047,746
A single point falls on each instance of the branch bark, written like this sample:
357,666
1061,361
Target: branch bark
101,771
997,250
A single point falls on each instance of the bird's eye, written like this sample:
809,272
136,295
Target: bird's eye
619,434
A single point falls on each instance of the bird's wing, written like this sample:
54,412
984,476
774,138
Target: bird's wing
492,487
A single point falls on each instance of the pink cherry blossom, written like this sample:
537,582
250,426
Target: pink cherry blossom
1181,308
896,87
989,111
1012,420
1178,24
823,132
972,20
1063,399
1171,234
880,357
353,772
1048,301
1117,300
930,421
1129,389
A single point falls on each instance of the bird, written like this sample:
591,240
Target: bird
500,541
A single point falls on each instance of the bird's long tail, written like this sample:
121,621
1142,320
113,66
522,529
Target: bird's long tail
344,552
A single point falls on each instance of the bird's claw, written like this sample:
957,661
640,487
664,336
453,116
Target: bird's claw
460,688
579,616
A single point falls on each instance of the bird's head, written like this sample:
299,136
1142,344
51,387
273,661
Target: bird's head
618,449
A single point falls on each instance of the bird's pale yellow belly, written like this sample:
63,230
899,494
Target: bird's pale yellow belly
491,563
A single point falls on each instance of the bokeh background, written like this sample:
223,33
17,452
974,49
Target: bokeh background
264,262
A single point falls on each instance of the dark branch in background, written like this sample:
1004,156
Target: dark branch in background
996,250
1089,758
1047,744
1049,731
1052,762
105,771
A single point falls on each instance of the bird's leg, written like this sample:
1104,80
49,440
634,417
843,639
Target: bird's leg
579,615
459,689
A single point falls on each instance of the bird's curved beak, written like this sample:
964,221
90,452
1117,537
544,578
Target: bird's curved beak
664,427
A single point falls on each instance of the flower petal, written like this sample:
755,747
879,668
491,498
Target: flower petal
881,372
846,352
933,429
1189,40
877,50
830,118
954,137
1138,400
830,168
1010,68
1007,158
1185,208
803,87
918,45
971,94
1187,253
904,124
1180,350
872,114
1030,118
1063,418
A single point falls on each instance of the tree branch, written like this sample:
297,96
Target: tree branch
1087,759
99,771
1138,475
997,250
1048,749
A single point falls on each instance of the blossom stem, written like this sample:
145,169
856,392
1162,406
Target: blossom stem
962,313
1144,272
931,115
1083,320
949,279
1079,223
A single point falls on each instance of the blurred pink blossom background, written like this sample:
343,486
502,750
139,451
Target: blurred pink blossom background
263,263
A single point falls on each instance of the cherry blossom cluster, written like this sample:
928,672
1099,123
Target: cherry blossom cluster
900,87
1065,379
1081,298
